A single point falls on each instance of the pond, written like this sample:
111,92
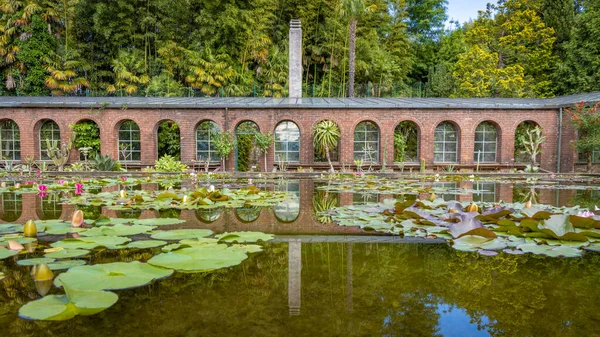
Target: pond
313,277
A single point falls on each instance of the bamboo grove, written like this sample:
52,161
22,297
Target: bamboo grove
515,48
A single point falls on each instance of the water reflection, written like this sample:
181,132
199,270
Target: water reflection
49,207
12,206
289,209
208,215
486,192
247,214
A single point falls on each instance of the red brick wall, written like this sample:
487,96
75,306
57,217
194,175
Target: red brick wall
426,119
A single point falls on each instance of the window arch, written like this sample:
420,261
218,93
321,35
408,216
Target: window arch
287,142
130,145
486,143
205,137
289,209
519,150
406,142
445,143
366,142
247,157
208,215
10,140
49,133
248,214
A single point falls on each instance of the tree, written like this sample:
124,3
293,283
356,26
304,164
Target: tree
587,122
224,143
532,142
263,143
129,72
326,137
65,73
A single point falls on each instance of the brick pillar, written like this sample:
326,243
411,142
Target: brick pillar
187,141
508,147
387,146
27,141
148,142
109,137
466,146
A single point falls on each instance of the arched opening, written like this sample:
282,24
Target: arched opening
287,142
248,214
366,142
10,140
205,136
486,143
49,138
12,206
208,215
169,213
168,140
326,131
247,156
129,142
289,209
445,143
87,141
49,207
323,201
406,142
522,153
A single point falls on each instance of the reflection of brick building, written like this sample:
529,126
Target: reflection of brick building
464,116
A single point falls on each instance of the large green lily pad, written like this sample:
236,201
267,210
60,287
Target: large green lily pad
110,242
199,258
158,221
66,253
559,227
118,230
241,237
111,276
180,234
145,244
551,251
65,264
4,253
34,261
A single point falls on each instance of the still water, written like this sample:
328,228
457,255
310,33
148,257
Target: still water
319,279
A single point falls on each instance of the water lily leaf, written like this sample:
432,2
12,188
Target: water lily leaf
66,253
104,221
470,226
4,253
247,248
158,221
536,213
16,237
595,247
199,241
63,307
110,242
145,244
33,262
583,222
513,251
118,230
111,276
64,230
559,227
241,237
180,234
167,195
552,251
65,264
10,228
530,225
471,243
199,259
487,252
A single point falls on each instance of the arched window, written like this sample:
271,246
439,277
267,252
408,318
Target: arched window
10,140
49,135
287,142
406,142
289,209
520,149
247,157
208,215
205,135
50,207
486,143
130,147
366,142
445,143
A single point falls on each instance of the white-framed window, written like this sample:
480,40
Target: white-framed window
287,142
445,143
366,142
130,144
49,132
486,143
10,140
205,147
486,192
289,209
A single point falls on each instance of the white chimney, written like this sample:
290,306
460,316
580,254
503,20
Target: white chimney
295,59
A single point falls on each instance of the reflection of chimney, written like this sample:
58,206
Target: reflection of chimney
294,276
295,59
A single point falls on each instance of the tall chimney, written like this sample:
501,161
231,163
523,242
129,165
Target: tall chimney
295,59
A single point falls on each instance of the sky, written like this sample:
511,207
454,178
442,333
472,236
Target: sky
464,10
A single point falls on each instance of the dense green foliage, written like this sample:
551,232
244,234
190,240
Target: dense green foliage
168,140
515,48
88,136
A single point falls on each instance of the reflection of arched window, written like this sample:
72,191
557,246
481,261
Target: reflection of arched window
446,190
205,148
247,214
445,143
520,134
11,207
49,132
208,215
486,143
364,198
169,213
366,142
129,213
486,192
10,140
287,142
289,209
406,142
49,208
130,145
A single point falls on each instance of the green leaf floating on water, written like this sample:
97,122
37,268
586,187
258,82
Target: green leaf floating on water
4,253
105,221
145,244
158,221
67,253
559,227
241,237
551,251
472,243
118,230
62,307
65,264
10,228
111,276
64,230
180,234
199,259
33,262
110,242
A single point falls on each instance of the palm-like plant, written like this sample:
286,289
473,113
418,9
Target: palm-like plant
326,136
129,72
353,9
209,72
65,73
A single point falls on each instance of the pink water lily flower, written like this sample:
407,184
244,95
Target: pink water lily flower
42,188
43,194
78,188
124,178
61,182
586,214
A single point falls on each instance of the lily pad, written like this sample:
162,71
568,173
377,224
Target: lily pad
66,253
552,251
65,264
110,242
4,253
118,230
559,227
145,244
33,262
65,230
241,237
180,234
158,221
470,226
199,259
111,276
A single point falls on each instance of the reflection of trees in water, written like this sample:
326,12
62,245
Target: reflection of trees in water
90,212
586,199
208,215
524,194
322,202
169,213
248,214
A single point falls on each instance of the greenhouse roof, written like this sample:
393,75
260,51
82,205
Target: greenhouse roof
283,103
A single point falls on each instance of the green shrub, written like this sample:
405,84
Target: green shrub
106,163
168,163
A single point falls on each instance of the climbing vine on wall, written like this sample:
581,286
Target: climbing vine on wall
168,140
88,135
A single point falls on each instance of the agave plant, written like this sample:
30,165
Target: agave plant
326,138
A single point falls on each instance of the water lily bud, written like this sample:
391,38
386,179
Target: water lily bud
123,194
17,185
211,188
30,229
432,197
185,199
250,181
42,272
452,210
77,219
14,245
3,184
528,204
472,208
31,246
